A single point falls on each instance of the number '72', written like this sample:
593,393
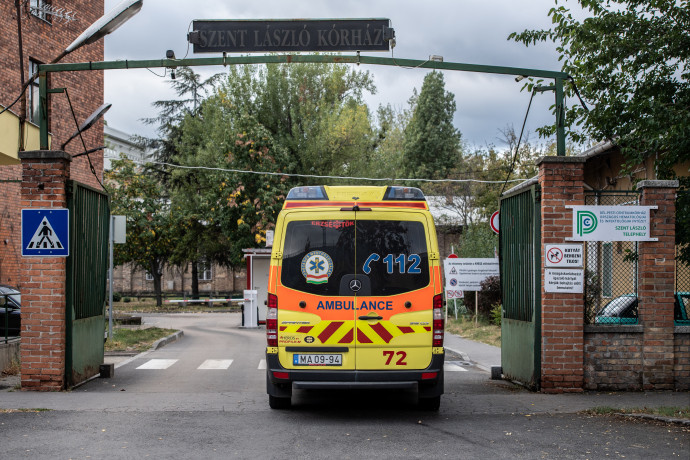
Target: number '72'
389,355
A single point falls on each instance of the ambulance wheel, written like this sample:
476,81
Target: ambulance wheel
430,404
278,403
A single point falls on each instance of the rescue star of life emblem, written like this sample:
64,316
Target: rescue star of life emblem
317,267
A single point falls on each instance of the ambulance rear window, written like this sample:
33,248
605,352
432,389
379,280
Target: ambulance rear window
321,256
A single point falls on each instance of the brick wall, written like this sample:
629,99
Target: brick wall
130,280
562,316
10,218
681,356
44,179
613,359
656,285
43,42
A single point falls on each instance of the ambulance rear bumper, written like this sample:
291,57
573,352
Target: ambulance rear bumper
422,379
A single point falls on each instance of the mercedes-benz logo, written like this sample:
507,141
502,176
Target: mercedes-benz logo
355,285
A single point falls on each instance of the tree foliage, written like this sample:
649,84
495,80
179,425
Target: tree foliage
151,226
431,141
629,59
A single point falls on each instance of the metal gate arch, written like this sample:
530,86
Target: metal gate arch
86,281
520,268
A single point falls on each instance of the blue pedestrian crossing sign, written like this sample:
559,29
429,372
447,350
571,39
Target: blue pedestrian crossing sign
45,232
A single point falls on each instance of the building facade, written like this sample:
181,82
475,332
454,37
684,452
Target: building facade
46,28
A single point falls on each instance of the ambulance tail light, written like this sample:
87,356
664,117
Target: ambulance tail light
272,321
439,325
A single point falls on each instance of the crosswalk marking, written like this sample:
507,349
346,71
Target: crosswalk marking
452,367
215,364
225,364
157,364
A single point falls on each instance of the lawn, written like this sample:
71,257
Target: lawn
135,340
483,331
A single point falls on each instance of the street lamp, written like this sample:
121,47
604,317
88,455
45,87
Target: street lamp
103,26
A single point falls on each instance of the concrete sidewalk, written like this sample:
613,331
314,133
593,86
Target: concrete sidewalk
480,354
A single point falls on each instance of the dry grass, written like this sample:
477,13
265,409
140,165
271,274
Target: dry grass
482,332
13,369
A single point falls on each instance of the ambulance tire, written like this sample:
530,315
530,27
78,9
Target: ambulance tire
278,403
430,404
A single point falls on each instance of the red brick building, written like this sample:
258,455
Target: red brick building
44,36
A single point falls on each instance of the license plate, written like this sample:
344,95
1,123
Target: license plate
317,360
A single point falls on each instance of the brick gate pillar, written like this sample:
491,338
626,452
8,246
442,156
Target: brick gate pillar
562,314
43,335
657,283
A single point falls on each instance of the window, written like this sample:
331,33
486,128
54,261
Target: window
321,256
33,106
41,9
205,271
148,276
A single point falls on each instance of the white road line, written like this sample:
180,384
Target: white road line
262,364
157,364
215,364
450,367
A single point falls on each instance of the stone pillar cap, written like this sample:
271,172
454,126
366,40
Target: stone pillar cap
45,155
657,184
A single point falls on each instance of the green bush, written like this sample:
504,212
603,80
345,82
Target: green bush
496,314
126,300
117,296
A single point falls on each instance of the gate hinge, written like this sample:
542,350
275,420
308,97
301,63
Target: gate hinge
433,256
277,255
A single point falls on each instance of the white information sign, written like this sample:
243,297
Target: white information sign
468,274
611,223
563,255
570,281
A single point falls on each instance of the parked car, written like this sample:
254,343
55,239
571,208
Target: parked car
623,310
10,311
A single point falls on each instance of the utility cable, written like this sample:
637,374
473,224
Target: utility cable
315,176
517,148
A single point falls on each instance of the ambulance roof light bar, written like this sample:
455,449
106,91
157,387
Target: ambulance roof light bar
311,192
404,194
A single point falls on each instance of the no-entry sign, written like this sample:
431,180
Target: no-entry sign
494,222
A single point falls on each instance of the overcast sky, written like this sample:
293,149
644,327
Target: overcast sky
467,31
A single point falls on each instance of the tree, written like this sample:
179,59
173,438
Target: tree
431,141
315,111
139,196
629,59
237,207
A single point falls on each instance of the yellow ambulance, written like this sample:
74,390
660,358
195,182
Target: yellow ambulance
355,294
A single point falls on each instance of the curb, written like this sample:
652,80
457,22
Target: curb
156,345
675,421
166,340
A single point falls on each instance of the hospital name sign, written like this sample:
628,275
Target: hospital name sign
320,35
611,223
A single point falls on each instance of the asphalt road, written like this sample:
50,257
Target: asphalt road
204,406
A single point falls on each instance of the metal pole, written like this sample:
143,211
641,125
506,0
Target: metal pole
110,279
560,118
43,109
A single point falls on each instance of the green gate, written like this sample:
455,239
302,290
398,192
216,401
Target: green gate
87,267
520,265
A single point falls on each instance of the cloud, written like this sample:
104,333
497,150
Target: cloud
461,31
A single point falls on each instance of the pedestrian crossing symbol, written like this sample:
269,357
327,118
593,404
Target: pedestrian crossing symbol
45,232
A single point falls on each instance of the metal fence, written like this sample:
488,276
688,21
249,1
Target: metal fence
682,268
611,269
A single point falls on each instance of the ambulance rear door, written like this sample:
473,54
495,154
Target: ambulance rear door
316,308
395,294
